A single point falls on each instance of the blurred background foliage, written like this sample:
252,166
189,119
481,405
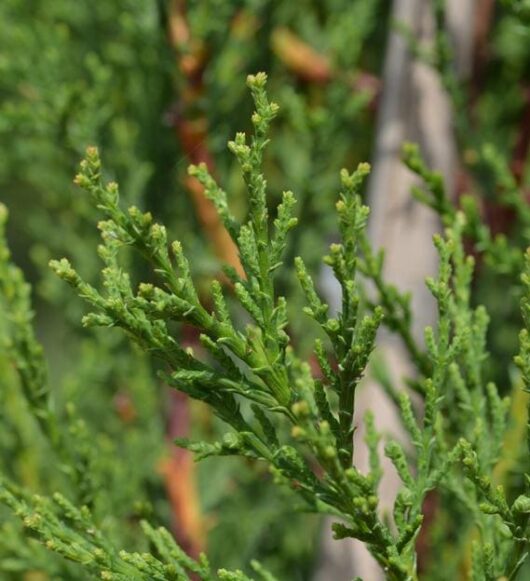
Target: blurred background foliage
160,84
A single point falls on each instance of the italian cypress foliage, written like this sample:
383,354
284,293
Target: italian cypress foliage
278,408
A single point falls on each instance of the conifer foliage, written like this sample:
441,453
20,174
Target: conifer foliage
277,407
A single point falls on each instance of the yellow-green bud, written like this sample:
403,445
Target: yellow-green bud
330,452
298,432
300,409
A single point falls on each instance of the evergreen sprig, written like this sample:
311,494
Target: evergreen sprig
256,363
279,409
71,532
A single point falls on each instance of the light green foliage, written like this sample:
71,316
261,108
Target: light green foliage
79,73
256,363
499,254
282,412
49,447
71,532
76,74
491,140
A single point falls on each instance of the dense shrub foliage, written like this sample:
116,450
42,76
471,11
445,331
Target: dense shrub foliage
158,353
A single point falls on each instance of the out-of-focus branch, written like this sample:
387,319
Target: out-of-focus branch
178,471
300,58
483,20
303,61
500,218
522,143
192,130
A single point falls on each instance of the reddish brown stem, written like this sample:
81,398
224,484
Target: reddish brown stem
523,141
192,131
178,470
